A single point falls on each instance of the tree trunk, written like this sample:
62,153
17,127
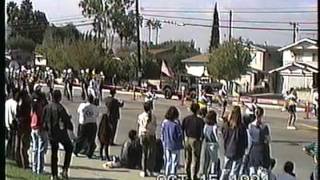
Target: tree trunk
157,35
149,34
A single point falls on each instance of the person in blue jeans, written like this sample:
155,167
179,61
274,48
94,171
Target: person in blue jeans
235,141
171,137
38,134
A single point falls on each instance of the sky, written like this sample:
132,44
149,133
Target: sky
56,10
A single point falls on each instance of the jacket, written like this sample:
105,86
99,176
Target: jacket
56,120
235,141
171,135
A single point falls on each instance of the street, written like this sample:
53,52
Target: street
286,144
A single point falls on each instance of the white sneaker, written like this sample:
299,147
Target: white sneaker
293,128
142,174
288,127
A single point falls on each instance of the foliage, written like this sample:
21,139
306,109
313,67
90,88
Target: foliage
20,42
229,61
26,22
215,34
110,17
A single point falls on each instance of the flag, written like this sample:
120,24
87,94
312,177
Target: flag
164,69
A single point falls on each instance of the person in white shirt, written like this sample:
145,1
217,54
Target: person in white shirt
88,114
93,88
288,172
147,125
150,97
11,123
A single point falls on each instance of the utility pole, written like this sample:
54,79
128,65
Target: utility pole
295,31
230,21
138,43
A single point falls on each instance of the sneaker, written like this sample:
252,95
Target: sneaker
288,127
293,128
143,174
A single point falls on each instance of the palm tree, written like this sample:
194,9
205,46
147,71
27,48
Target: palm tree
157,26
150,25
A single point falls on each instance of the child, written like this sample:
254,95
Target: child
288,172
104,135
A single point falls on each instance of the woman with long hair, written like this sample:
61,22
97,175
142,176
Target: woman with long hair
235,143
259,138
171,137
210,146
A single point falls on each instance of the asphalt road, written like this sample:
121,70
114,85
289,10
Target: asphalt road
286,144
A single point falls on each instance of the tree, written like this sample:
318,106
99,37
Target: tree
150,25
107,16
157,26
215,34
229,61
20,42
26,22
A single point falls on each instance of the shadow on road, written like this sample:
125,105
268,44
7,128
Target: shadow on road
291,142
94,169
16,178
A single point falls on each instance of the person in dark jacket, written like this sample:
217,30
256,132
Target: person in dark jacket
104,136
24,130
113,108
131,152
171,137
57,122
192,127
235,142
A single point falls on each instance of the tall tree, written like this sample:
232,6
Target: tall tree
157,26
26,22
215,34
149,24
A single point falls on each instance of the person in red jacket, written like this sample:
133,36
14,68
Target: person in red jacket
38,134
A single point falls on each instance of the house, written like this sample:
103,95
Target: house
257,79
300,66
197,65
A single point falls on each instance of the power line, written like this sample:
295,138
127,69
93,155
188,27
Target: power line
224,20
232,8
239,12
235,27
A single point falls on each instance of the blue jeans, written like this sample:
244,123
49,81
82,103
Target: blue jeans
231,169
171,161
39,148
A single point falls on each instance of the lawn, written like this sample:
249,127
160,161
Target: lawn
14,172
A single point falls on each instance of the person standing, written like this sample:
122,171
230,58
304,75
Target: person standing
292,105
192,127
24,130
259,138
57,122
171,137
104,135
88,114
315,103
210,146
100,84
235,141
147,125
150,97
113,108
11,123
93,89
38,134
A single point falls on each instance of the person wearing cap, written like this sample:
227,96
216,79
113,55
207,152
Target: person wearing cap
69,84
113,110
100,83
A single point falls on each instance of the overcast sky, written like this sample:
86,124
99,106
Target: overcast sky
61,9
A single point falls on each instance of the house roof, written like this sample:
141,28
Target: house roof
312,41
158,51
202,58
300,65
